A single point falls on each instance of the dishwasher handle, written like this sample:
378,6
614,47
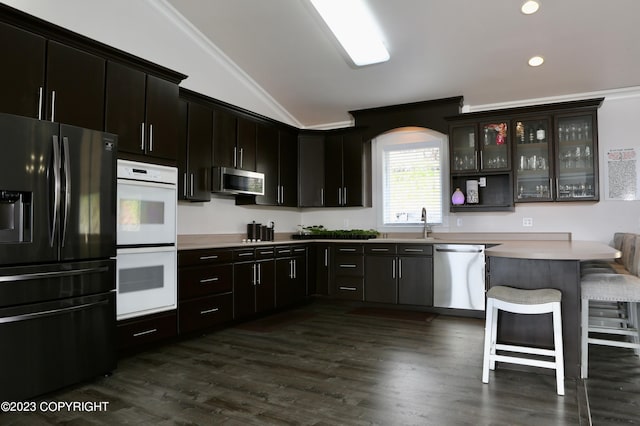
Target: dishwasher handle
449,250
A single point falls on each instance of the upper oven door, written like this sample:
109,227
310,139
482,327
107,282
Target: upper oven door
146,213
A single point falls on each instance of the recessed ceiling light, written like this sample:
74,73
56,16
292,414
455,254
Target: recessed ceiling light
356,30
536,61
530,7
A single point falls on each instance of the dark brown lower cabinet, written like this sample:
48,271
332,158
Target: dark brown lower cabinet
138,332
205,312
253,288
291,280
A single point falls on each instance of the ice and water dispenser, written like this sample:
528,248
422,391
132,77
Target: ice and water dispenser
15,216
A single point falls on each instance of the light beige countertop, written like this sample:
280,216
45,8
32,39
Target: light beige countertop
554,245
554,250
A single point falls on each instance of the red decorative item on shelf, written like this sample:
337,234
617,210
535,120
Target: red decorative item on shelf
501,129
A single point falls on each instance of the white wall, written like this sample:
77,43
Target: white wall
148,29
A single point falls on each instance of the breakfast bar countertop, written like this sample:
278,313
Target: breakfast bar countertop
554,250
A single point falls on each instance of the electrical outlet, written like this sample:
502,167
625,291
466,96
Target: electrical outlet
527,221
459,221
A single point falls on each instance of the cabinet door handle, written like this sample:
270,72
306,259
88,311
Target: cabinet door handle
53,105
344,198
184,185
40,92
142,333
241,157
347,265
322,196
235,157
209,280
142,126
551,188
326,257
259,273
208,311
347,288
150,137
393,269
295,269
291,269
399,268
255,269
481,162
215,256
192,184
339,197
412,250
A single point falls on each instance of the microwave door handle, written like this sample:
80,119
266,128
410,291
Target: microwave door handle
67,187
56,188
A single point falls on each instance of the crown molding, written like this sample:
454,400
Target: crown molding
612,94
164,7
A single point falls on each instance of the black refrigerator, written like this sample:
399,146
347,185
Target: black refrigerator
57,255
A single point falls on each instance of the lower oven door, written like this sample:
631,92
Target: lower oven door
146,281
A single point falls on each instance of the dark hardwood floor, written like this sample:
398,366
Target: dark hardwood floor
327,367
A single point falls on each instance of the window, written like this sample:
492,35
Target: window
411,173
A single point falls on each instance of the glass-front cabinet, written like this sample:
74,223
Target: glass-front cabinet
533,159
576,153
483,147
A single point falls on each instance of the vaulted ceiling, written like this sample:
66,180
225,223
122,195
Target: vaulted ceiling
439,48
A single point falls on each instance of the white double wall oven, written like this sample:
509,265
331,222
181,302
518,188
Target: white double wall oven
146,278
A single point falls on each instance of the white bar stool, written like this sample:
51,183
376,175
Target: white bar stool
538,301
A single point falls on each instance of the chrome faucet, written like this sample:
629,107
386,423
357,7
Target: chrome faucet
426,230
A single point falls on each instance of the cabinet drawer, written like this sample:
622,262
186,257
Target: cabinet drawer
299,250
351,288
417,249
244,254
349,248
349,265
265,252
202,257
141,331
283,251
205,312
380,248
205,280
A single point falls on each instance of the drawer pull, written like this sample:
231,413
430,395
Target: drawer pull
299,250
379,249
267,252
208,280
347,288
348,265
245,254
208,311
410,250
347,249
142,333
215,256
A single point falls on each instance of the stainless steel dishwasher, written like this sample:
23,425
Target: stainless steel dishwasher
458,276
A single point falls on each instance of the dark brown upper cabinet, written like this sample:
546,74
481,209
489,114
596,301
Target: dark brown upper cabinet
347,170
71,91
22,83
75,87
195,151
311,148
143,110
234,141
267,163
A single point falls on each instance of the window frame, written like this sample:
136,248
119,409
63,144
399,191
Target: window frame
406,137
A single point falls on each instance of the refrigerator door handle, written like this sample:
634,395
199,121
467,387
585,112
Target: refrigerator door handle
56,188
67,187
52,312
53,274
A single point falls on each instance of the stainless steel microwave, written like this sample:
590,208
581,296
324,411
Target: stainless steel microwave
228,180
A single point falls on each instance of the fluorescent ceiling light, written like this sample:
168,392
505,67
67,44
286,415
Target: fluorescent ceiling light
530,7
354,27
536,61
